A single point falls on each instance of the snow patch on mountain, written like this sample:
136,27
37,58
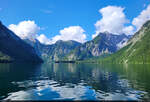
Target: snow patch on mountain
122,43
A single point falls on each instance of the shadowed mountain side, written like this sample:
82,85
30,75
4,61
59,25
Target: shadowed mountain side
12,48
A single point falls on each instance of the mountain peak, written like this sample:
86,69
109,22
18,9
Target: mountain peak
106,32
103,43
136,50
59,41
68,41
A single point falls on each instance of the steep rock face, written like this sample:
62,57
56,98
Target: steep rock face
55,51
137,49
58,50
104,43
36,45
12,48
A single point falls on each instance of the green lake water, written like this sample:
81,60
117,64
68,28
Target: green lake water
74,82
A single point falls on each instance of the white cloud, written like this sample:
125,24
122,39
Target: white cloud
128,30
142,18
75,33
94,35
113,21
29,30
25,29
44,40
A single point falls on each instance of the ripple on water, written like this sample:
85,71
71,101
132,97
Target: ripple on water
52,90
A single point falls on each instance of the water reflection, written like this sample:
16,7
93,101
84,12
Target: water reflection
74,82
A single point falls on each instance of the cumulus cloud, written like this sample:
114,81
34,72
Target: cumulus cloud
75,33
142,18
113,21
44,40
25,29
29,30
128,30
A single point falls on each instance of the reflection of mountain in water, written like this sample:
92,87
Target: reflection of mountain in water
9,73
73,81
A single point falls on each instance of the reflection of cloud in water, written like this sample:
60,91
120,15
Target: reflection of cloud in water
78,92
51,90
77,82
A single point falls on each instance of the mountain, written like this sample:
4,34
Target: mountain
12,48
137,49
36,45
58,50
104,43
55,51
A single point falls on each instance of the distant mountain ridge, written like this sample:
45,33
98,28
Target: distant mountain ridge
137,50
12,48
53,52
104,43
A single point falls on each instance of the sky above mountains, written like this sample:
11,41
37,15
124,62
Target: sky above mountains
79,20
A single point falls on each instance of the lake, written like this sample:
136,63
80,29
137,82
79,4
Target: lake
50,81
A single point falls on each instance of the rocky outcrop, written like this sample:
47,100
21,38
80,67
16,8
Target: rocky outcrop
104,43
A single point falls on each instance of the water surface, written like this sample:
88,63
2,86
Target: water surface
74,82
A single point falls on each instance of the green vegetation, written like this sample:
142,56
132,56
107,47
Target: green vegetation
104,43
5,58
137,50
98,50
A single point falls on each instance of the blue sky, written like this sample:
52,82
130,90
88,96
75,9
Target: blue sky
55,15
